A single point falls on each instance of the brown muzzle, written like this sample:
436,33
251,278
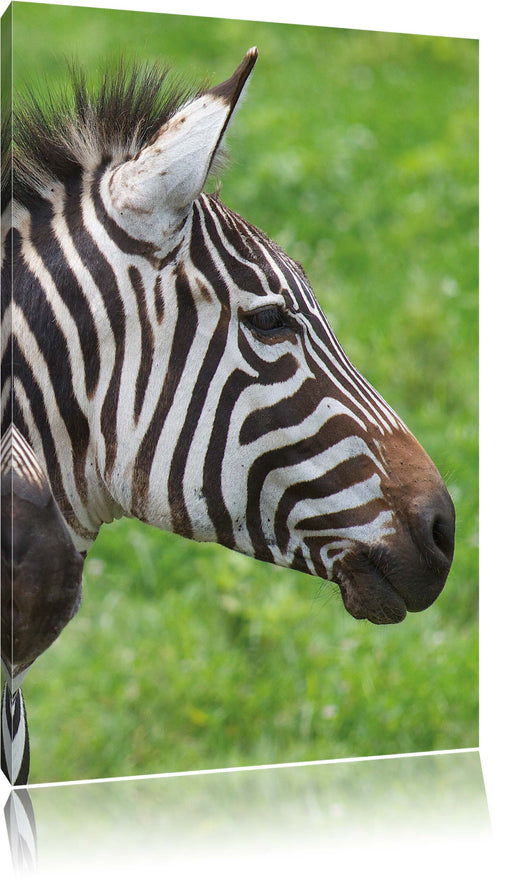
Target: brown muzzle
406,570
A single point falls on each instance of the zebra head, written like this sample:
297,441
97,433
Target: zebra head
207,393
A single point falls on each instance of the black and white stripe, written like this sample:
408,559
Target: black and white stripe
15,456
169,361
15,747
41,587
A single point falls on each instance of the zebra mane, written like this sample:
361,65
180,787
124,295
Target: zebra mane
53,138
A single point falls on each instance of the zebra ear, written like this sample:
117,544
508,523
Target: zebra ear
165,177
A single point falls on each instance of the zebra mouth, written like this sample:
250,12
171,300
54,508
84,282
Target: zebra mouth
367,593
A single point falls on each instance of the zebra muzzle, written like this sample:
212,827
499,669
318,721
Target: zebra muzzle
383,582
366,591
404,572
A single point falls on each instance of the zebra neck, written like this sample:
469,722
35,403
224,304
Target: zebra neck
78,487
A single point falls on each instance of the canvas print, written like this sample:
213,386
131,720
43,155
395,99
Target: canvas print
239,431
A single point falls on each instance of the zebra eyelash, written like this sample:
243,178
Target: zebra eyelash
270,322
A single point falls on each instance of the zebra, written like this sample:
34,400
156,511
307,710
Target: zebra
41,587
167,361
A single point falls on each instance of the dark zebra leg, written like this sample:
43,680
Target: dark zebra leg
15,741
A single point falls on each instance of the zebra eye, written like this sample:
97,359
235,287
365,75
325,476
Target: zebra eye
267,320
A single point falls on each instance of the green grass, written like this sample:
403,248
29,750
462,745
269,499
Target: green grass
357,152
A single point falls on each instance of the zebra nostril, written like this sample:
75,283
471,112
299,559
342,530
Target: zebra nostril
442,534
435,530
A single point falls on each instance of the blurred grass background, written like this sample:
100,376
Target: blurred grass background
357,152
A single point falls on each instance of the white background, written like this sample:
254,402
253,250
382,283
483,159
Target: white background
489,23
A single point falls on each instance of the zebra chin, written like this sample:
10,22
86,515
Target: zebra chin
382,585
367,594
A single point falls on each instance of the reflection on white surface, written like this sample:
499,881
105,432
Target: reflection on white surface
21,831
414,815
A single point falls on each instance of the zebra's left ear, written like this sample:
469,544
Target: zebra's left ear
157,186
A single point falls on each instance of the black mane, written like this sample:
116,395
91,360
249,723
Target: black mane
54,138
